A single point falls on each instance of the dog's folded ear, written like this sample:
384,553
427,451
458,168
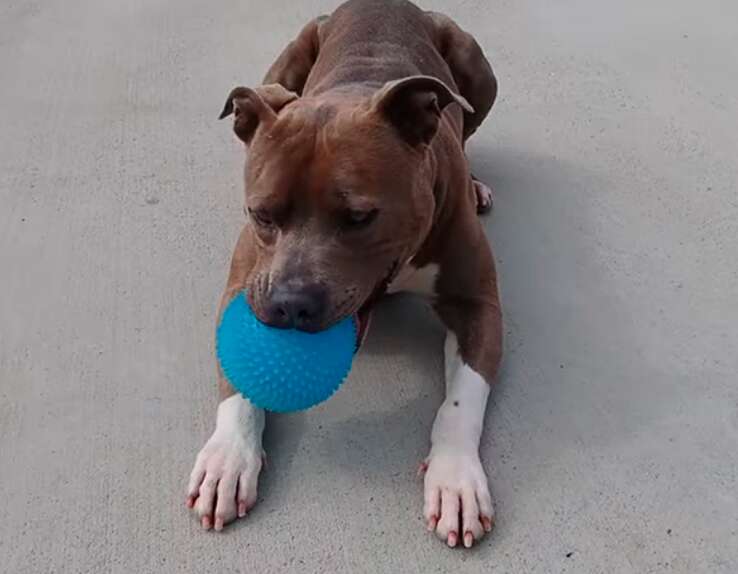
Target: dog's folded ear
253,107
414,104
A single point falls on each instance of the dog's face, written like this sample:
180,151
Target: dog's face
337,195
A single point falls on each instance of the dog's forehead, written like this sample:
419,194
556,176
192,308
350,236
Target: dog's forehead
327,150
293,138
306,116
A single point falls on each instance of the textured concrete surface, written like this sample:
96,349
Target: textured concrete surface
612,437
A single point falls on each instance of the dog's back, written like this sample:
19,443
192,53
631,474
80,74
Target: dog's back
366,43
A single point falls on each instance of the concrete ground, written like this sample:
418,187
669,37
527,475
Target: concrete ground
612,437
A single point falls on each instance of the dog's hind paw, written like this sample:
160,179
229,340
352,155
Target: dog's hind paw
484,196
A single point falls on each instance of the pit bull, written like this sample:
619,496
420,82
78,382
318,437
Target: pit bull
357,184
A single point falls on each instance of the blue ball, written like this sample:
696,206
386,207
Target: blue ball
282,369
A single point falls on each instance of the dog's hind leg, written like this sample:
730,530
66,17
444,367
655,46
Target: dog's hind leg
469,67
292,67
475,80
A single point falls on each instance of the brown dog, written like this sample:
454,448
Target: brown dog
357,183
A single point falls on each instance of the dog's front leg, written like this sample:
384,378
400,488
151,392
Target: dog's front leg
458,505
223,482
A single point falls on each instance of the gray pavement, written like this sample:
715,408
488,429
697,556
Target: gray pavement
612,438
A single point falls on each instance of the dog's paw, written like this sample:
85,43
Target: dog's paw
458,506
484,196
223,482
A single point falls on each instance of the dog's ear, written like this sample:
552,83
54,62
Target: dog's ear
414,104
254,107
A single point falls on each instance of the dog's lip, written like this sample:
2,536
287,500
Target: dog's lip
362,317
364,314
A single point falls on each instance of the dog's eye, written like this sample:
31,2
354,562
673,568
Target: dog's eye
355,219
261,217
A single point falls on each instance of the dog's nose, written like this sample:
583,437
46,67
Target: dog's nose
297,305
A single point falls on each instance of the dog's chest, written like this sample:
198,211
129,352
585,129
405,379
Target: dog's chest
420,280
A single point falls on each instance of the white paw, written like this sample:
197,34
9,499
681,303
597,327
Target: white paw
224,479
223,482
457,500
484,195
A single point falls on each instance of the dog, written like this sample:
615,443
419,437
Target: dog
357,184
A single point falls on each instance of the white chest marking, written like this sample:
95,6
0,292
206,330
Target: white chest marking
416,280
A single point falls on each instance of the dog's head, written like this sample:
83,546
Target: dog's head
337,192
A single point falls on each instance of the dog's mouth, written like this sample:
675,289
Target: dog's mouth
364,315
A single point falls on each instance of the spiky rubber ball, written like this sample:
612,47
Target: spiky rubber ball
282,370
